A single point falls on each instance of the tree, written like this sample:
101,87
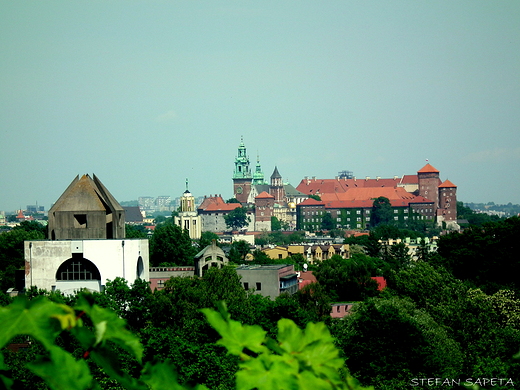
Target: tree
275,224
327,222
12,251
346,279
486,256
232,200
135,231
390,341
171,245
260,257
238,251
206,238
382,212
237,219
315,197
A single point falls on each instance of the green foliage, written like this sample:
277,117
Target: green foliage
390,341
382,212
327,222
237,219
275,224
232,200
315,197
12,250
206,238
346,279
135,231
299,359
485,256
238,251
171,245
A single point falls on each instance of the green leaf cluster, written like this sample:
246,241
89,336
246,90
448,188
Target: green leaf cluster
298,359
96,329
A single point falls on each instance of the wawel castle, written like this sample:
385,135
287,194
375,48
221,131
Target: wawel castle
419,197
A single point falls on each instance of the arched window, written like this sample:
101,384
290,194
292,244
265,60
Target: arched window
78,269
140,268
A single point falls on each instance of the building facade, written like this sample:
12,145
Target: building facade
87,243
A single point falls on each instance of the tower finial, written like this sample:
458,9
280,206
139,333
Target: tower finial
186,184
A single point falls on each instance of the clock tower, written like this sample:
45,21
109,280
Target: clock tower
242,176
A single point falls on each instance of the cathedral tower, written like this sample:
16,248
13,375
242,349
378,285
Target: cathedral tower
242,177
276,189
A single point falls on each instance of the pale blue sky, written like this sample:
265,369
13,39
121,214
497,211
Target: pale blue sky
147,93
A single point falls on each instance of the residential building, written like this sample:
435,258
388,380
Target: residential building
269,280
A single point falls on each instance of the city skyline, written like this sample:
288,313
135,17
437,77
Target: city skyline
147,94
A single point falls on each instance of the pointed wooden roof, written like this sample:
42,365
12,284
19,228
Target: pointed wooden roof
86,194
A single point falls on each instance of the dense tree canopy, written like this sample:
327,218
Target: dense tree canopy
346,279
485,256
382,212
171,245
237,219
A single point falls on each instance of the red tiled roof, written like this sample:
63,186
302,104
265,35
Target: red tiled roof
264,195
410,179
427,169
447,184
311,202
381,282
308,276
336,186
216,203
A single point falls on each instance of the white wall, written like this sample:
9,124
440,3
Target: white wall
111,257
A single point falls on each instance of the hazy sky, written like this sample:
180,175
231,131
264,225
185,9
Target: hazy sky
148,93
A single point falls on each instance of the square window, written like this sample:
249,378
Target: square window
80,221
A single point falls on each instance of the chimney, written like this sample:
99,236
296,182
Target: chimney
367,178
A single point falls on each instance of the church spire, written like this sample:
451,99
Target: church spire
242,170
258,176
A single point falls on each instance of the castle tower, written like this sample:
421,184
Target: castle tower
276,189
188,217
447,210
264,210
429,182
242,177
